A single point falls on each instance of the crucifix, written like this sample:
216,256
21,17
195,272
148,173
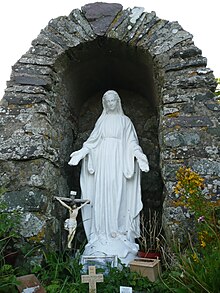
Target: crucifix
71,223
92,278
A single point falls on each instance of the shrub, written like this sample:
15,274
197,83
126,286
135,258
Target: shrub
8,234
198,265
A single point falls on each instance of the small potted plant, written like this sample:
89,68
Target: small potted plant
150,235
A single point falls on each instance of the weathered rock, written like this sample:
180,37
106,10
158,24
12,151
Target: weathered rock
101,15
24,99
186,52
32,80
180,63
118,28
184,121
169,171
176,223
32,225
206,167
214,131
174,139
30,58
84,27
213,106
26,200
26,89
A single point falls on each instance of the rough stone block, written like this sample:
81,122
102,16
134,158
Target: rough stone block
185,121
32,80
101,15
26,200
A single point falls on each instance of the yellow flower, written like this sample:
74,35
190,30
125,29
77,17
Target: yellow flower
195,257
202,243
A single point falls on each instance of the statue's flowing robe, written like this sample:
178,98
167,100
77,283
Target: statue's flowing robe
110,179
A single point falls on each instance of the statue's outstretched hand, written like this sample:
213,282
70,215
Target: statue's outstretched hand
143,166
142,161
77,156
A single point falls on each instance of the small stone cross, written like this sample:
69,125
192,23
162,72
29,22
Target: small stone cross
92,278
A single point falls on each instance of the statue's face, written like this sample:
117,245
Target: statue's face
111,102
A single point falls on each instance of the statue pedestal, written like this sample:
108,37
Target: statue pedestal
125,250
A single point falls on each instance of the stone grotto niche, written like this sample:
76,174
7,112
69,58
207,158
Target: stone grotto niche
47,112
109,64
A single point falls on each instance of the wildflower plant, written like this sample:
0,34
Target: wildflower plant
199,264
190,192
9,223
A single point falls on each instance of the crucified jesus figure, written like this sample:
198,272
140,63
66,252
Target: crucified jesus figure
71,223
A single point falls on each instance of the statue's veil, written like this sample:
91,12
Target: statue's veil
105,110
116,95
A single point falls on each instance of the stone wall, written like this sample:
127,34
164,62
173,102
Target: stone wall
152,60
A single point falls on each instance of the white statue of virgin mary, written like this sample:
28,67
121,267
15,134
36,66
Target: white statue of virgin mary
110,179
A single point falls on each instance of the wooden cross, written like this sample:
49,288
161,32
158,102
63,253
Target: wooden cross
72,200
71,223
92,278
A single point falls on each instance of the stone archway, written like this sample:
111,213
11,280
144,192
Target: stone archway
153,59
